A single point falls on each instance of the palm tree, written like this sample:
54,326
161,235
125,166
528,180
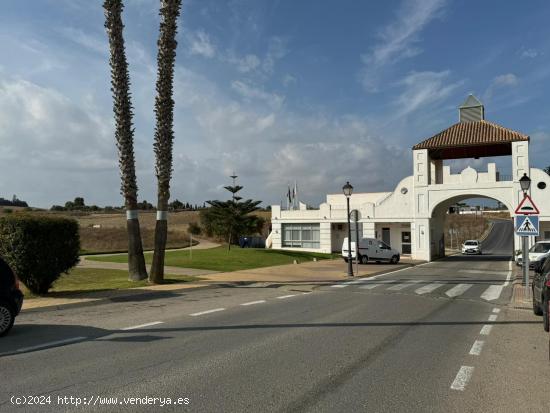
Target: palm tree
124,135
164,134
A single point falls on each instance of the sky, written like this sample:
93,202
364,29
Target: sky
314,91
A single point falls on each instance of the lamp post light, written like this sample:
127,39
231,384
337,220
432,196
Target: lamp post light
525,183
348,190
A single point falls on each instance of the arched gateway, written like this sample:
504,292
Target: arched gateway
411,217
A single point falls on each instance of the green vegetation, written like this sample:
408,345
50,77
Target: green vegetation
80,280
220,259
39,248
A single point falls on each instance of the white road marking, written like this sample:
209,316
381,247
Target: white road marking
493,317
207,312
462,378
50,344
286,296
476,348
370,286
428,288
508,277
255,302
458,290
398,287
481,271
492,292
496,310
154,323
339,286
486,330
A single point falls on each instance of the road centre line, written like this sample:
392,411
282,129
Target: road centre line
462,378
154,323
496,310
493,317
50,344
254,302
508,277
282,297
476,348
486,330
207,312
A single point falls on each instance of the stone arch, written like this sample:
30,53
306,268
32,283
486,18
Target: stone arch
444,204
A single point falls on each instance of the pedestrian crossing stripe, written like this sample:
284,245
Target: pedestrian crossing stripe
527,225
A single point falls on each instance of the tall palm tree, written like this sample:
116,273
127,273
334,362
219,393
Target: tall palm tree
164,133
124,135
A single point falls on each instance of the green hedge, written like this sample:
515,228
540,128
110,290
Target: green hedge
39,248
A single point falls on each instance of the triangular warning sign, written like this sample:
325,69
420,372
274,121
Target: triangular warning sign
527,207
527,227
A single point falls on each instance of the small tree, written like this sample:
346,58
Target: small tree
231,218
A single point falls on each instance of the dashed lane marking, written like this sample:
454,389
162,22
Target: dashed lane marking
215,310
496,310
286,296
493,317
372,285
154,323
254,302
486,330
399,287
458,290
476,348
462,378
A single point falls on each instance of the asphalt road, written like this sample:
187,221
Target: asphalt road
434,338
500,239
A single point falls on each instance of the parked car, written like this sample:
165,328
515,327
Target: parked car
537,253
541,291
471,246
11,297
371,249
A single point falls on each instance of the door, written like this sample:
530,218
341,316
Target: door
383,251
405,242
386,236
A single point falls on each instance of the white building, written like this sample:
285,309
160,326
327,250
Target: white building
411,217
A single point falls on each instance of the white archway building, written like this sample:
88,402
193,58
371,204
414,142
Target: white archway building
411,217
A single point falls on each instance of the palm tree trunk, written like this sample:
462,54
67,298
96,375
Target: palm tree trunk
164,133
124,135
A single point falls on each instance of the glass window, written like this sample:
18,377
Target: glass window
542,247
301,235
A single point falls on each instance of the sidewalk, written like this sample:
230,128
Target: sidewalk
308,273
519,299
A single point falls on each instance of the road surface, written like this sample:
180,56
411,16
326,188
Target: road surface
438,337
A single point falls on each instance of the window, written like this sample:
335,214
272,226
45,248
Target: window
301,235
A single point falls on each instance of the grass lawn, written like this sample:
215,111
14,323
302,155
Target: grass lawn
81,280
219,259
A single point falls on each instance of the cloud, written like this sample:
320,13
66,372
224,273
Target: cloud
95,43
50,142
423,89
508,80
245,64
399,39
200,44
529,53
288,80
250,92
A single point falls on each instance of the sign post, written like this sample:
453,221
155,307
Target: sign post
527,224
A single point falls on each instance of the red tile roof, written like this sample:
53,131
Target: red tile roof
476,133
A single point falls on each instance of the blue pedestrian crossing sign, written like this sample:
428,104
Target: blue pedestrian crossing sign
527,225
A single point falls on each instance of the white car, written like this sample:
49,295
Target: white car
537,252
471,246
371,249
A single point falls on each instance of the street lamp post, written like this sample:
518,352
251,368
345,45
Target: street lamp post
348,190
525,183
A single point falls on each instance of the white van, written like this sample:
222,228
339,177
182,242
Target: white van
371,249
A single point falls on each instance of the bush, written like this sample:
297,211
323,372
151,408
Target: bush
194,228
39,248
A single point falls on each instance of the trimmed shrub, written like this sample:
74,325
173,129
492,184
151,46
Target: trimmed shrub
39,248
